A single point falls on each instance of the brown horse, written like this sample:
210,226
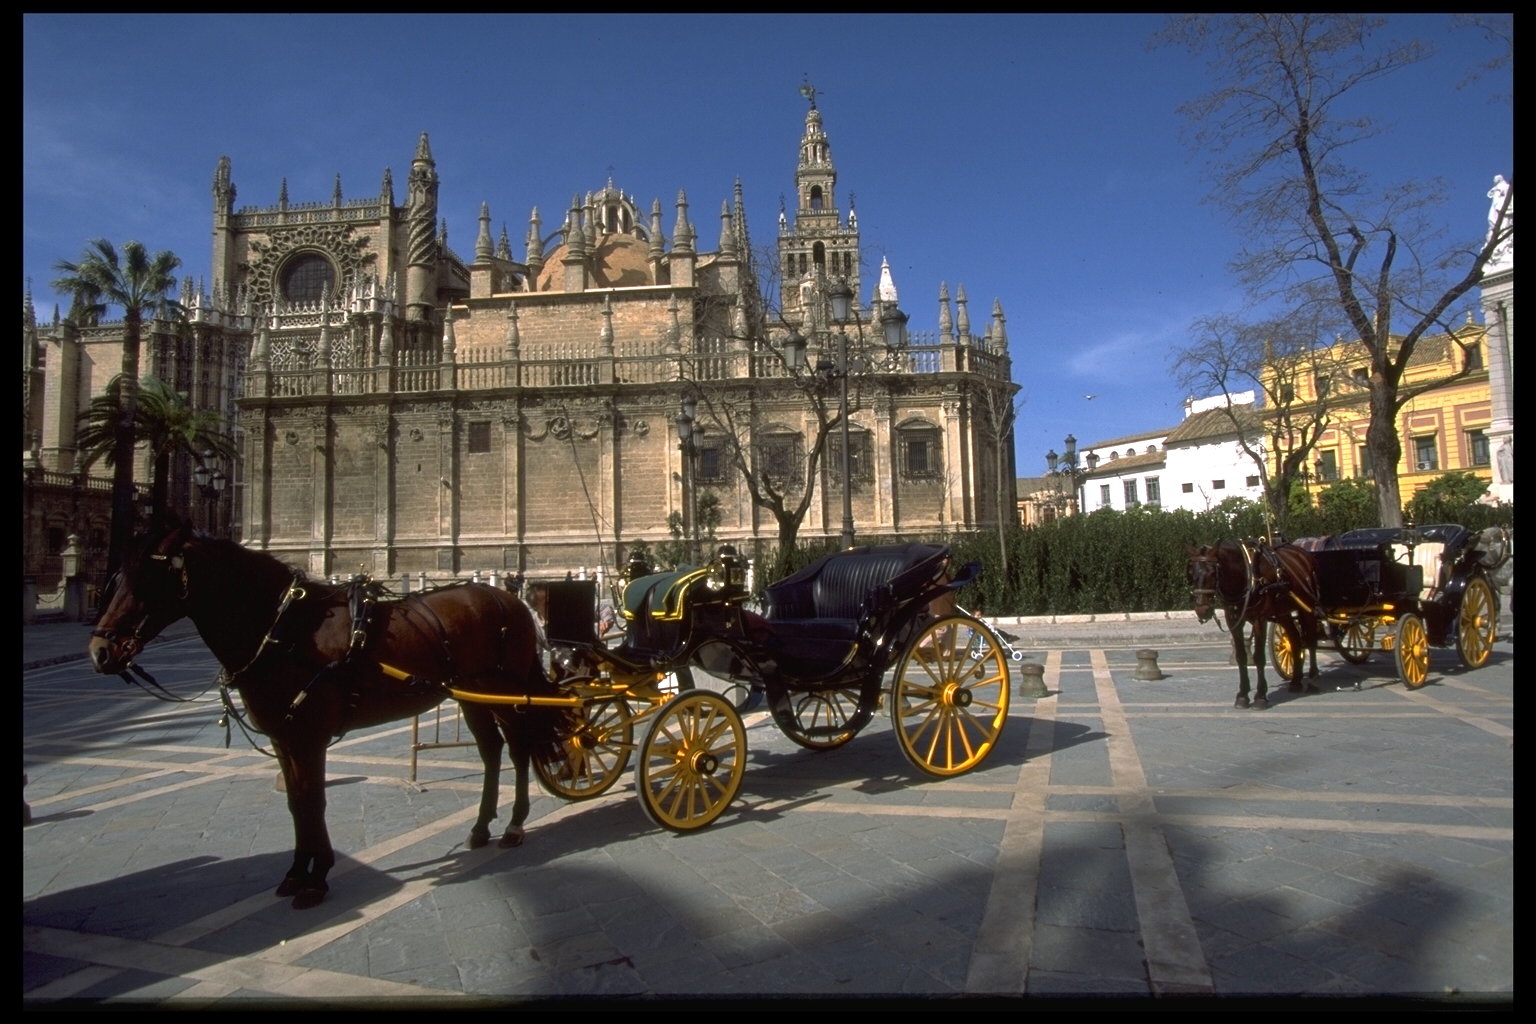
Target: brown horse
313,661
1255,584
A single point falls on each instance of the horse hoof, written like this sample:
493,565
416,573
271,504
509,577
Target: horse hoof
512,837
1241,703
288,886
1262,704
479,837
310,897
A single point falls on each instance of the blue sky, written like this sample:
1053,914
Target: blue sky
1035,160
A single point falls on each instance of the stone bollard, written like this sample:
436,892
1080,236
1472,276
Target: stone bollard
1032,680
1146,666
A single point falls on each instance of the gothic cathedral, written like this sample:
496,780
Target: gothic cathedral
401,409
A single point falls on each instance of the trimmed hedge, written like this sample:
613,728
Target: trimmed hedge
1114,561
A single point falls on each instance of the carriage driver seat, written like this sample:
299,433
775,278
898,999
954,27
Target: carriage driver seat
815,617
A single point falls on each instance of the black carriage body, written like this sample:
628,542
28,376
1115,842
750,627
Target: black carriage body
1424,570
847,615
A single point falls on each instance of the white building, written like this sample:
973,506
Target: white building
1195,465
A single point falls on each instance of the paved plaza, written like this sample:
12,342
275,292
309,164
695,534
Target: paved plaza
1129,839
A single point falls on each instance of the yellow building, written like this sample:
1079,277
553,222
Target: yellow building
1443,427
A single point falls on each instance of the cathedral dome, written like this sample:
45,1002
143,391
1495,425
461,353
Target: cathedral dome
620,261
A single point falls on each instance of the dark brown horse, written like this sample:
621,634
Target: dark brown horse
1256,584
313,661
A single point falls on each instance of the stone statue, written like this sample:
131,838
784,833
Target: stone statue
1496,196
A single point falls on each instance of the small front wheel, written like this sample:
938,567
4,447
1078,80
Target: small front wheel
948,709
1355,641
691,761
594,751
1411,649
1283,652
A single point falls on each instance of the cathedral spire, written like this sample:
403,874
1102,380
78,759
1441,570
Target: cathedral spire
484,247
223,188
946,325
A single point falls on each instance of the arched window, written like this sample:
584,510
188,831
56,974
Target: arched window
817,201
307,278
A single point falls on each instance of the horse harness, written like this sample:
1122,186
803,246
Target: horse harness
1256,588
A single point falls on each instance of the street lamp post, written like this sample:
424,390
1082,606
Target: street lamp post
893,323
689,434
1066,477
210,480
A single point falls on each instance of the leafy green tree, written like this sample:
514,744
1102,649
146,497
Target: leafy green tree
1346,505
165,423
1447,498
140,284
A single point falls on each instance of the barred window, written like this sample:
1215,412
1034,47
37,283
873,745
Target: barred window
779,457
921,454
860,462
711,465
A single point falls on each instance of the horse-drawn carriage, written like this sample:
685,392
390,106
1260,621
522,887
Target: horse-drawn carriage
311,661
834,641
1402,591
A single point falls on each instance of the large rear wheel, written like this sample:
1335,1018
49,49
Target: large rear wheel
595,747
948,707
691,761
1411,649
1477,623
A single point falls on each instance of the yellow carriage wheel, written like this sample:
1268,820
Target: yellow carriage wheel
595,746
949,708
1478,624
1355,641
1411,648
691,761
825,719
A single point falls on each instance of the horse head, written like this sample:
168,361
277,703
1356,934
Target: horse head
1204,580
147,593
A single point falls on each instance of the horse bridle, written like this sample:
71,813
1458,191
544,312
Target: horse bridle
1213,572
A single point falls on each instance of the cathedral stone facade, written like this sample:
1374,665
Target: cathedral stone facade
402,409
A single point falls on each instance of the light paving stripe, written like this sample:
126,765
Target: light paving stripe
1005,940
1175,962
1456,711
226,973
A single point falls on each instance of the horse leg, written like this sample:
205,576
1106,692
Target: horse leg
487,733
518,743
1293,631
1240,655
1261,684
313,858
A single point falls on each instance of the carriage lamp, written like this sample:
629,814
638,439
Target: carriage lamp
728,571
637,566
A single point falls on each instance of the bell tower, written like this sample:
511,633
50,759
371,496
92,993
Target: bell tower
818,246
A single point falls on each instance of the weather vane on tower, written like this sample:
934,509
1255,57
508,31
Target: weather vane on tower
808,91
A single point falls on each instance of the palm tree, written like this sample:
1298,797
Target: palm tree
139,283
164,422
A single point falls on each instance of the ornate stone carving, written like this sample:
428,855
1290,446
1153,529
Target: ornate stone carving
335,240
